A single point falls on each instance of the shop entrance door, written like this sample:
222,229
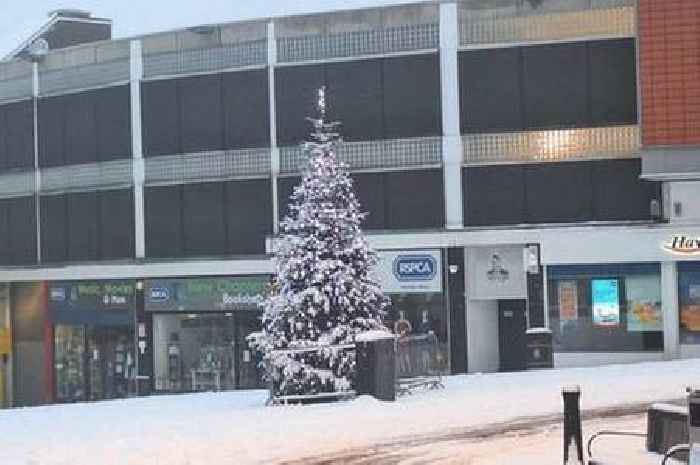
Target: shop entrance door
511,335
93,363
248,372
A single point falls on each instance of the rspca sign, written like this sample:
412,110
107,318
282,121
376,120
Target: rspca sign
410,271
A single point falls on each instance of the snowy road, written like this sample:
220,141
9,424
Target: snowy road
235,428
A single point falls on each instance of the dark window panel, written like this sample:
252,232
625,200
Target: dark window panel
559,192
160,117
412,96
296,89
163,218
555,86
415,199
22,230
494,195
201,113
116,224
113,115
5,250
51,131
285,188
619,194
18,135
370,189
355,98
54,227
613,76
247,227
81,128
490,90
83,237
246,109
203,219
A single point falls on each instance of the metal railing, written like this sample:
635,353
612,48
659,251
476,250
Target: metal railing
87,177
83,77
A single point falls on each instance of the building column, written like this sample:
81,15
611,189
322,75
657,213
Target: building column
669,304
138,170
37,171
274,150
451,137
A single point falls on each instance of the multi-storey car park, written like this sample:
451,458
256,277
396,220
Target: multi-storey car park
143,179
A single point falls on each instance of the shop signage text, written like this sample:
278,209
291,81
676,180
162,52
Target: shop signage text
415,267
683,245
205,294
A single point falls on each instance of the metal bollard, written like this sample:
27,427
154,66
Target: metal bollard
572,422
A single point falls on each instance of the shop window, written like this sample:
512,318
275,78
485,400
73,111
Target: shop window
689,302
606,308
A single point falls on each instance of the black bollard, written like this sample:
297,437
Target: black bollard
572,422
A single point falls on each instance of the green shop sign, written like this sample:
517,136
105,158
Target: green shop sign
205,294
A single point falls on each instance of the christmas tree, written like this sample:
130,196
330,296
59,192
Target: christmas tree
322,295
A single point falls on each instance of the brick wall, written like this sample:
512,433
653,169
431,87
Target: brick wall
669,47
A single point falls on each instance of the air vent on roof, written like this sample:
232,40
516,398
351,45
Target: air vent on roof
70,13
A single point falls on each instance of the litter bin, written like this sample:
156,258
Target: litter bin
376,365
539,348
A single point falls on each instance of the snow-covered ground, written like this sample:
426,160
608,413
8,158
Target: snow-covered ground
235,427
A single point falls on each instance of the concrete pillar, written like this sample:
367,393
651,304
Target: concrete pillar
138,170
37,172
274,150
451,138
669,304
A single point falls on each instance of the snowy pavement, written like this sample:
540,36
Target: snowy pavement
235,427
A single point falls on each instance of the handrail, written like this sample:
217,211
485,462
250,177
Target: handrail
674,450
611,433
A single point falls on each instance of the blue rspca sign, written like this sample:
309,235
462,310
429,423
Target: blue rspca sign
415,267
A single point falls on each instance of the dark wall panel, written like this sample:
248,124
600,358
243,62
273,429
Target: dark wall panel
559,192
21,217
490,90
246,109
54,227
355,98
246,227
203,219
296,90
5,251
113,121
201,113
555,85
412,96
619,194
51,131
415,199
116,224
17,135
163,218
83,221
494,195
80,128
160,117
613,76
370,189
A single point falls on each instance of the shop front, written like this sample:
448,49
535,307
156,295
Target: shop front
93,339
689,307
418,314
200,327
5,347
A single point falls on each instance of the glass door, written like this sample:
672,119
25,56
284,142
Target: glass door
69,363
111,362
249,376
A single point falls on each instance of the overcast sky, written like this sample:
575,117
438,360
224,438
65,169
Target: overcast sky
20,18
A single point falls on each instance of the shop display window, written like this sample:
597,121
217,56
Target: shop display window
606,308
420,323
689,302
204,352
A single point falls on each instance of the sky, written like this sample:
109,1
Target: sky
20,18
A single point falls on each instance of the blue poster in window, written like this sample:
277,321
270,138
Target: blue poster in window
606,302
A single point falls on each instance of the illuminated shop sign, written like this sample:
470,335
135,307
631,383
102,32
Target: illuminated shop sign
682,244
606,302
415,267
409,271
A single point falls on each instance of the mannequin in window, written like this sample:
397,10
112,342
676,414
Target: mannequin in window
403,328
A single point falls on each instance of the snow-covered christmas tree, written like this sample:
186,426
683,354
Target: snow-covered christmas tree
322,295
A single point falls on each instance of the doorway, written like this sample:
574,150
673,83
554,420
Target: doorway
512,343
